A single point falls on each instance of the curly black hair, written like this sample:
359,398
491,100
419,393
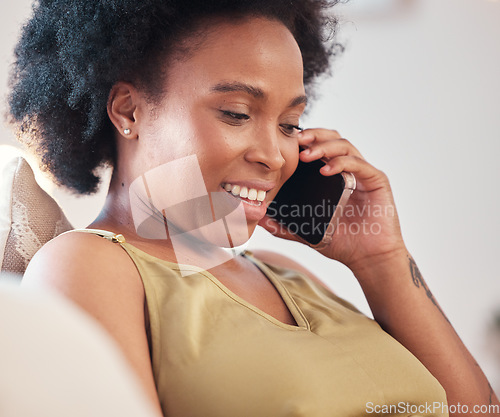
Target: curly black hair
71,52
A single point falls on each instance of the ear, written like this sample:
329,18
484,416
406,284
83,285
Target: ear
122,109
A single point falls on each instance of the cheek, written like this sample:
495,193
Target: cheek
175,135
212,146
216,142
215,151
291,155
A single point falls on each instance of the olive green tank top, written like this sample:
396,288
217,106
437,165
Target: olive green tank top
216,355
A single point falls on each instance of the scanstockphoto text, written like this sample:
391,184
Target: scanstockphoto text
431,408
314,220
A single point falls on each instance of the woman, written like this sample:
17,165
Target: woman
187,99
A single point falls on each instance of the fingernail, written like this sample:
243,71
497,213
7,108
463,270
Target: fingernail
326,168
306,151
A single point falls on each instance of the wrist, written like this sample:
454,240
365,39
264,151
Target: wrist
381,267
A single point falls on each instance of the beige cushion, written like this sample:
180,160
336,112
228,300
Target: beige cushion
29,217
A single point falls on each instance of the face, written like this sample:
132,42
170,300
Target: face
232,107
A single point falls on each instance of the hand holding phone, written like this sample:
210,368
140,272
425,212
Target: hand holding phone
310,204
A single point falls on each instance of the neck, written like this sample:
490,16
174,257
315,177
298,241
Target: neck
154,237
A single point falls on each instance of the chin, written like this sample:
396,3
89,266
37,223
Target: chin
223,234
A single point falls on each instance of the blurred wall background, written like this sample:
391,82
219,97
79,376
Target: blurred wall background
417,91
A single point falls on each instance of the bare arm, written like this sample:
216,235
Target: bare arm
403,305
398,296
100,277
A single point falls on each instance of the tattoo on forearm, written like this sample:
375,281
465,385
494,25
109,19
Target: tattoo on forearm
418,280
491,393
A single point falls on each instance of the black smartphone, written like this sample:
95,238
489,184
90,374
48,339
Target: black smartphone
310,204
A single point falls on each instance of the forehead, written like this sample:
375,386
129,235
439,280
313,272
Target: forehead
257,51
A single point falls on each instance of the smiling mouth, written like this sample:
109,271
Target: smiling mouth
250,196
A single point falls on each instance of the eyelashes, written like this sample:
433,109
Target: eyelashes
238,119
290,129
235,118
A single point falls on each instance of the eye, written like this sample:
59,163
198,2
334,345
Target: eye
234,118
290,130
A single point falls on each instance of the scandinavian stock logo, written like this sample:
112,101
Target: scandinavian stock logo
171,202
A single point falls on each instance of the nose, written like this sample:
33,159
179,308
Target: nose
265,149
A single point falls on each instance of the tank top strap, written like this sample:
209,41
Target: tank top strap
112,237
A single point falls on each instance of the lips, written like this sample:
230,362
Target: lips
252,195
254,210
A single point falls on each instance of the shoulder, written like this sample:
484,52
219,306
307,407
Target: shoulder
284,261
99,276
80,265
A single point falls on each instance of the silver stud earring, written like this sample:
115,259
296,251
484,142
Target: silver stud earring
127,131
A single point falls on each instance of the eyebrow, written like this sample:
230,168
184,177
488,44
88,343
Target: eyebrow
230,87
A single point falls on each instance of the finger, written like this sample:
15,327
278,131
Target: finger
310,135
367,176
311,138
329,149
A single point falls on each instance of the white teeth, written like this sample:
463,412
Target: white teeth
251,194
235,190
244,193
